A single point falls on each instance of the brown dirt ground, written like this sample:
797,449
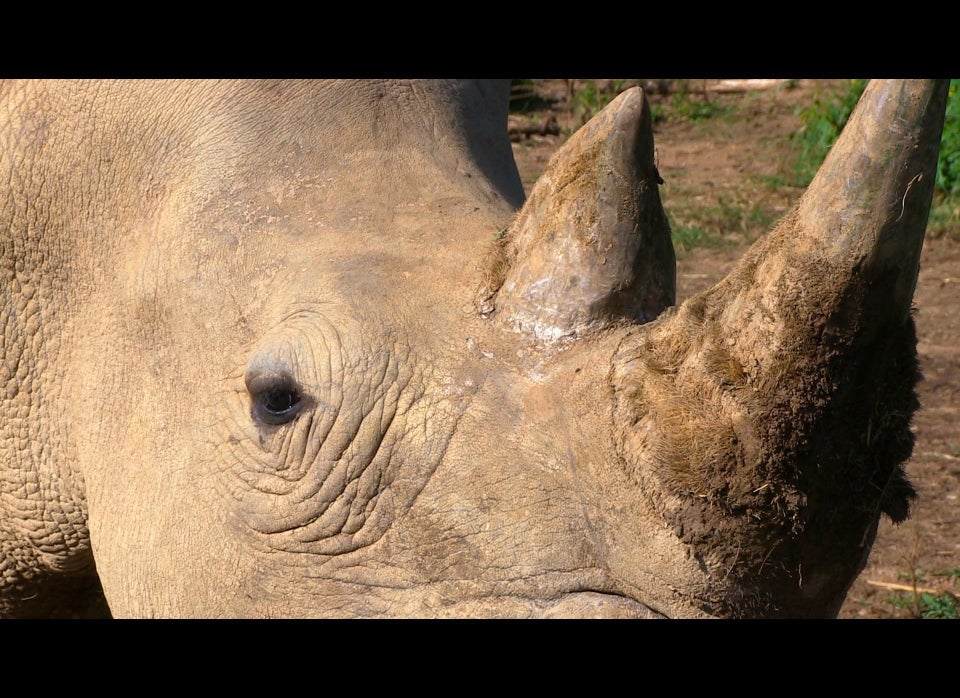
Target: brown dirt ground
726,165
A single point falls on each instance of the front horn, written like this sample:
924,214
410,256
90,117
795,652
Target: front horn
768,418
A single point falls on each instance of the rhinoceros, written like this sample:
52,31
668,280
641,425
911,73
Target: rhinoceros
304,349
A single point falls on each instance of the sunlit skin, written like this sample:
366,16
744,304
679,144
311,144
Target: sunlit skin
363,376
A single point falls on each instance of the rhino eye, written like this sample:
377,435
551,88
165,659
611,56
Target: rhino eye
276,398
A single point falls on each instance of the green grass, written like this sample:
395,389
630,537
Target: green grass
712,223
697,107
924,604
593,95
731,219
524,98
824,120
944,217
948,167
685,103
685,238
822,123
928,606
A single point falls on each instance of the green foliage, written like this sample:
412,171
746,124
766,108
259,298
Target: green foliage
926,605
824,120
716,224
948,167
944,220
594,95
939,606
826,117
524,98
822,123
686,237
694,108
657,112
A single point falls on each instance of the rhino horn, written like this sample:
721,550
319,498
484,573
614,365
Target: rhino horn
592,243
773,410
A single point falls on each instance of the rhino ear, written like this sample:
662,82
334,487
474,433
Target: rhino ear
592,243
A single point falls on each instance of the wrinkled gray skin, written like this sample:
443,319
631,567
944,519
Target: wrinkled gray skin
285,349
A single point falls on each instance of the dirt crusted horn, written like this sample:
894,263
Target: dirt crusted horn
768,418
592,243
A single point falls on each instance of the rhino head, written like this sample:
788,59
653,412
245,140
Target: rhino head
302,349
